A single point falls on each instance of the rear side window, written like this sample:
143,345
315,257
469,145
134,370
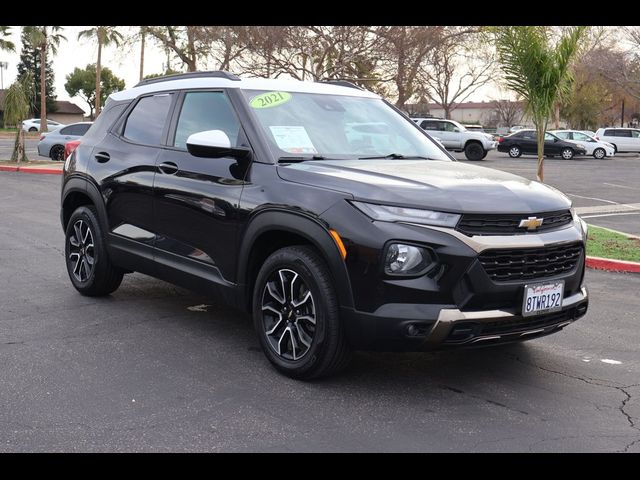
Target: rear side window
75,129
427,125
635,133
147,119
206,111
104,121
564,135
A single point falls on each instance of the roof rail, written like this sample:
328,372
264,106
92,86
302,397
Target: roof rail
342,83
180,76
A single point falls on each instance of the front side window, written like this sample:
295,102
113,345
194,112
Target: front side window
448,126
206,111
549,138
565,135
582,137
146,121
336,126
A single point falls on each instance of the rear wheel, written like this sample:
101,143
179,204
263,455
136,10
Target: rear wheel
88,264
567,153
515,152
474,151
33,129
599,153
57,153
295,313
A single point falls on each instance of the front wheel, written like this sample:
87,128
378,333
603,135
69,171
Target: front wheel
567,153
599,153
515,152
88,264
474,151
33,129
295,314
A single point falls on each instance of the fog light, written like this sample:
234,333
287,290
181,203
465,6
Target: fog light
404,259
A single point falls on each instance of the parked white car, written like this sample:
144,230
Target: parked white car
454,136
597,148
622,139
33,125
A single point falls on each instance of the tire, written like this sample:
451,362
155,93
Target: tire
295,304
474,151
514,151
567,153
599,153
486,152
33,129
84,243
57,153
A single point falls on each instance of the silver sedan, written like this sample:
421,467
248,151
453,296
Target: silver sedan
52,144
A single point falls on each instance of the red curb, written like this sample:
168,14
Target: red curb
50,171
43,170
613,265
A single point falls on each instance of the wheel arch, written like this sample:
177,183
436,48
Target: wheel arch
77,192
274,229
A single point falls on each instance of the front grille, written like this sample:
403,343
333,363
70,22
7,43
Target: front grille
530,263
464,332
507,224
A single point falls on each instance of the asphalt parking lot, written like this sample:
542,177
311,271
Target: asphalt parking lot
156,368
31,147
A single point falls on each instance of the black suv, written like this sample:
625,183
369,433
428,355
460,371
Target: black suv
322,210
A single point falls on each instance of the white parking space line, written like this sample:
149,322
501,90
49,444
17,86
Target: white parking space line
609,214
593,198
620,186
616,208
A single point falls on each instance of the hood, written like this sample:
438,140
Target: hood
438,185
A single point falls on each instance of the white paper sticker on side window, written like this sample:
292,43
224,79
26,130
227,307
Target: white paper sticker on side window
292,139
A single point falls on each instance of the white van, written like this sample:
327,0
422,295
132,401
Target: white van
622,139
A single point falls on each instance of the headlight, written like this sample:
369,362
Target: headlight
404,259
388,213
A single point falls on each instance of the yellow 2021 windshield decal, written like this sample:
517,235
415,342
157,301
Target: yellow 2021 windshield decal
269,99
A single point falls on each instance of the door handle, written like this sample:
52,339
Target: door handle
168,167
102,157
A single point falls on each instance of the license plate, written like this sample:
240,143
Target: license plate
542,298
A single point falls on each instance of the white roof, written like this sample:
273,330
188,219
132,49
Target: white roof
245,84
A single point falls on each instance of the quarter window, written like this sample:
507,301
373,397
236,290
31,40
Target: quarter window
146,120
206,111
635,133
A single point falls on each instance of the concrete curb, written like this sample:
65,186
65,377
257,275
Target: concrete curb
41,170
613,265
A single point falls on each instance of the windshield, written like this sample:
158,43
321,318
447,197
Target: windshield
318,126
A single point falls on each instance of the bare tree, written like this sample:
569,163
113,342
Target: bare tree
190,44
508,112
456,68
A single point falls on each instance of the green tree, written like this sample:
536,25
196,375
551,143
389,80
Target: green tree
5,44
168,71
537,70
17,103
82,82
30,63
45,39
105,36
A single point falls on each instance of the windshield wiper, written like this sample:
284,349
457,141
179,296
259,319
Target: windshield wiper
300,159
396,156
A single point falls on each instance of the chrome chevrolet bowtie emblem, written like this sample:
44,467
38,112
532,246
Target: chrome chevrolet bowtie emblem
532,223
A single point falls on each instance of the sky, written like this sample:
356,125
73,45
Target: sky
124,62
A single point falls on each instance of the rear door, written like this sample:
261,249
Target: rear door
123,164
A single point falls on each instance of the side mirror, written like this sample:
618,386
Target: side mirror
214,144
456,129
555,140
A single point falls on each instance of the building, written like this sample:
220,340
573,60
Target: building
66,112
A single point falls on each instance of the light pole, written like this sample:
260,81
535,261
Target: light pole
3,66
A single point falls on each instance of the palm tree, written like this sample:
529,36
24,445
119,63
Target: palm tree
537,70
104,36
44,38
17,103
6,44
